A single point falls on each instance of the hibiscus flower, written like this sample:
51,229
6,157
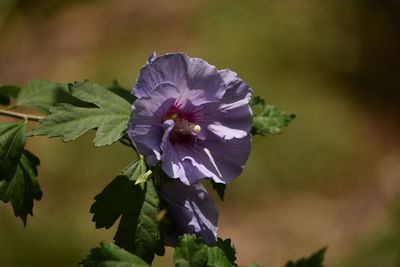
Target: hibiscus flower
193,118
191,210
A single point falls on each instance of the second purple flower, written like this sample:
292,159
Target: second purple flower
192,117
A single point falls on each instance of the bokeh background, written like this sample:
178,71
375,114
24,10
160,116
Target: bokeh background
331,179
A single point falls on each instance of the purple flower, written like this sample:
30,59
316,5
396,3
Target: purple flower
192,211
192,117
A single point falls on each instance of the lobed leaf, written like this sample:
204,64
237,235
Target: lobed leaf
315,260
23,188
221,254
122,92
192,251
138,206
269,120
41,94
110,255
12,142
109,117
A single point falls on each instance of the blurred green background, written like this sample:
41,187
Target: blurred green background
331,179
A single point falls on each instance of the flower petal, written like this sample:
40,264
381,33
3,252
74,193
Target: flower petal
144,126
167,68
152,57
215,102
232,117
191,210
228,156
205,77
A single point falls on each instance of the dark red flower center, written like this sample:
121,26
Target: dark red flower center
184,130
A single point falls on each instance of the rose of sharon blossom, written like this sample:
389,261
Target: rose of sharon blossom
191,210
192,117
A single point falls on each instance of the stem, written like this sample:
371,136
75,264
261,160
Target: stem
20,115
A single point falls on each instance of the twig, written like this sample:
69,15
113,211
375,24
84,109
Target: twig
20,115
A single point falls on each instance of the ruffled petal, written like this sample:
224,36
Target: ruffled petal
167,68
152,57
171,163
145,124
191,210
232,117
193,76
205,77
229,156
216,102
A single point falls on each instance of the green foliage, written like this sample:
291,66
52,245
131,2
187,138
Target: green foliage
138,206
42,95
110,116
220,188
122,92
315,260
270,120
12,142
18,183
7,91
221,253
23,188
193,252
110,255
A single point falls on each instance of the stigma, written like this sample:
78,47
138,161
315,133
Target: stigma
183,126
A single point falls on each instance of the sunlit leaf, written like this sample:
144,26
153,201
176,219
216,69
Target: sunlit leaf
269,120
191,252
110,116
110,255
42,94
122,92
221,253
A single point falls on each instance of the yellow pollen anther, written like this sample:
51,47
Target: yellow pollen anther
173,117
196,128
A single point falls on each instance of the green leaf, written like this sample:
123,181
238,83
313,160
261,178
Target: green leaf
315,260
191,252
42,94
110,255
138,206
23,188
111,202
7,91
110,116
122,92
220,188
12,142
270,120
221,254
